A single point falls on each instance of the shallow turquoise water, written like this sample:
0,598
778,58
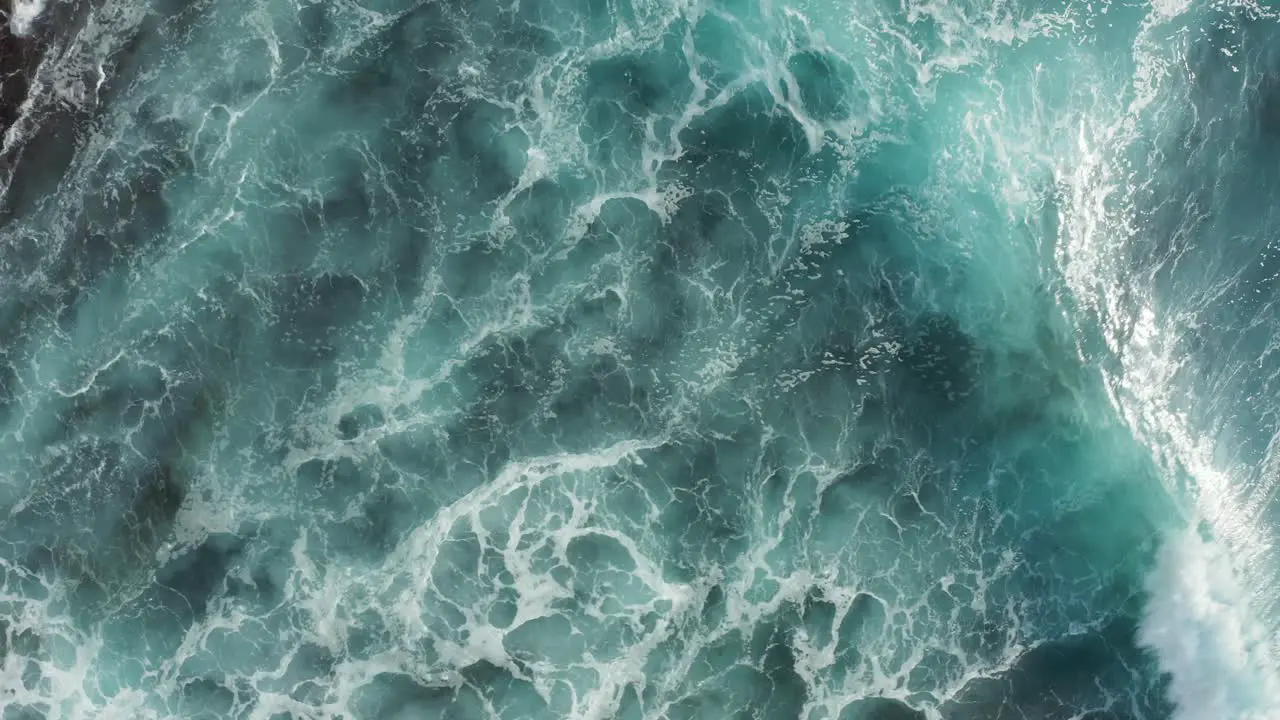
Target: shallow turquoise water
627,359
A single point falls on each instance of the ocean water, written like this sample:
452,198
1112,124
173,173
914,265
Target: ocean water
829,360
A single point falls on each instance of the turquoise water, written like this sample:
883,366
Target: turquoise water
640,359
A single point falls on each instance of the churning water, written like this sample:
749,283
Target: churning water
821,359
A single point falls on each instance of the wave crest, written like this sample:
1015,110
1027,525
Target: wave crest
1199,624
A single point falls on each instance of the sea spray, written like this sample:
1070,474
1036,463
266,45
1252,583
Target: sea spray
1198,622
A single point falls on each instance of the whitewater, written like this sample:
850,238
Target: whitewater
672,359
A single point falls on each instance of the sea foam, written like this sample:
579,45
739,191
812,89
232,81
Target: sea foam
23,16
1199,624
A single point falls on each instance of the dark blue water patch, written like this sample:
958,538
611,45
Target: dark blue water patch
361,419
413,453
623,94
510,695
577,22
475,269
404,264
605,397
865,619
711,237
1235,62
479,445
348,207
261,589
168,25
723,52
826,84
1045,395
941,362
660,316
453,164
621,223
1265,107
208,697
1062,678
705,241
308,677
198,576
362,510
510,376
98,508
41,163
875,476
540,213
741,144
313,314
20,56
516,48
616,138
700,485
333,484
27,712
119,221
383,79
151,515
744,675
396,695
384,518
316,24
599,313
860,269
487,151
880,709
296,232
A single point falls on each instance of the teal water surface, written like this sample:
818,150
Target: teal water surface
641,359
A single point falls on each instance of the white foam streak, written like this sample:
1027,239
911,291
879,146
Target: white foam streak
23,16
1198,622
1201,621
